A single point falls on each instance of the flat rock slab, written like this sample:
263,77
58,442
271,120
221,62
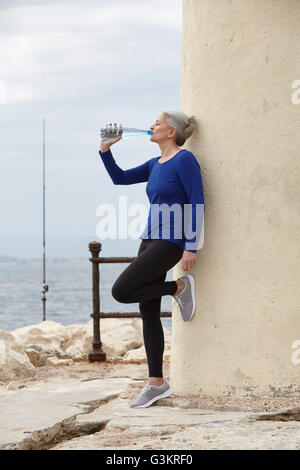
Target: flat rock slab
86,406
34,416
163,427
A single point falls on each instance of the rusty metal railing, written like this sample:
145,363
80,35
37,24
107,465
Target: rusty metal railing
97,354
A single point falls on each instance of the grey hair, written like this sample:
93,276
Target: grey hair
185,125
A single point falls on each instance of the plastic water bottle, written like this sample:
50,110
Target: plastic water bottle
109,132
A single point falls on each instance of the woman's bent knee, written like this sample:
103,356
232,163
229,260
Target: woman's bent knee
119,293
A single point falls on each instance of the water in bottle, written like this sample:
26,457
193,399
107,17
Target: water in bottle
112,132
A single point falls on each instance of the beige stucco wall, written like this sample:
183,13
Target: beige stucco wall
239,60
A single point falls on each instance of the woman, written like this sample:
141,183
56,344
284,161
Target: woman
173,178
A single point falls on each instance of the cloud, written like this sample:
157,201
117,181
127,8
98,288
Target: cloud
78,16
48,49
79,63
2,92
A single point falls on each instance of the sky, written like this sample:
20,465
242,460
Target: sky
78,64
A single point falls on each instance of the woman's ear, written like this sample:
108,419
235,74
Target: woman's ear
173,132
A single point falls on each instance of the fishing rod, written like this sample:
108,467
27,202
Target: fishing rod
45,286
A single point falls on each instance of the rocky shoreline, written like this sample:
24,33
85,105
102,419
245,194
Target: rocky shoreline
52,398
25,349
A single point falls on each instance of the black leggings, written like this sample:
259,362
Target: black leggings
143,281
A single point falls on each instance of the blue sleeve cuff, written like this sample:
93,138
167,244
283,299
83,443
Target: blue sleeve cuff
104,153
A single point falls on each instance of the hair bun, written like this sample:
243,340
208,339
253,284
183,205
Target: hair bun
191,124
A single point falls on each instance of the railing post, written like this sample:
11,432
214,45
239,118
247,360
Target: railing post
96,354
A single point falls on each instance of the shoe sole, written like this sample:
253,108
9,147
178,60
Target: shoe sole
163,395
193,295
190,277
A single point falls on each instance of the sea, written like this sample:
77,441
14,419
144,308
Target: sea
69,297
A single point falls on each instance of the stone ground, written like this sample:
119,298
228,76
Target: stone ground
86,406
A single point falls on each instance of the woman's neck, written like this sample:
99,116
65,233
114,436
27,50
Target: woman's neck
168,150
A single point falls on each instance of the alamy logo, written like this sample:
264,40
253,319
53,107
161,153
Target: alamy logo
163,221
296,95
296,354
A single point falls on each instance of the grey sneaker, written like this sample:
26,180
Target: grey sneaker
150,394
186,298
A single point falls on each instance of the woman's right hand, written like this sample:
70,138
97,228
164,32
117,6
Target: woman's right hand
106,144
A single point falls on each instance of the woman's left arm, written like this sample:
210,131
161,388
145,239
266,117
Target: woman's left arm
189,173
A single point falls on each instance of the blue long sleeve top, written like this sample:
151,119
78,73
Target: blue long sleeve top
175,192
